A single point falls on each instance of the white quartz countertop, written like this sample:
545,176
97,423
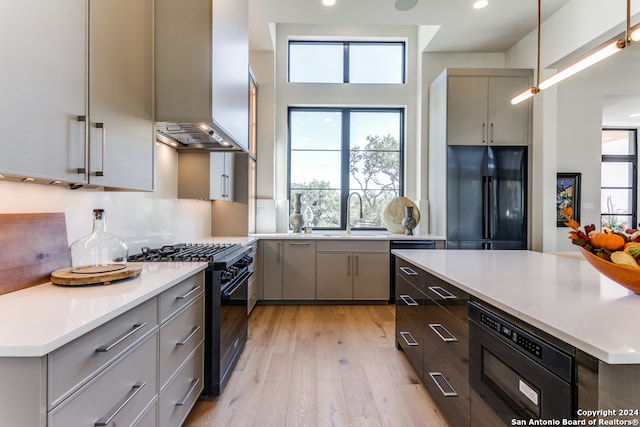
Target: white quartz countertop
37,320
565,297
355,235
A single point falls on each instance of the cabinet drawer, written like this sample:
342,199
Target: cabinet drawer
411,273
444,293
180,295
409,338
117,396
149,418
446,339
450,391
179,337
75,363
353,245
183,390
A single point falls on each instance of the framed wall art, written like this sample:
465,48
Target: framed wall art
567,194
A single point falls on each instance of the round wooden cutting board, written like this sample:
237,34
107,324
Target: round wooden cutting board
66,276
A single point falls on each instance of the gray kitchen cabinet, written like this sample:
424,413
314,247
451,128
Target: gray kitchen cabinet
272,260
357,270
49,113
473,107
205,175
299,274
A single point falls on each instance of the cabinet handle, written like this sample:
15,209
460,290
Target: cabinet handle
410,301
442,292
484,132
491,133
348,265
194,383
194,330
83,170
299,244
108,347
280,246
104,143
435,326
451,393
356,265
408,271
412,343
106,420
191,291
222,185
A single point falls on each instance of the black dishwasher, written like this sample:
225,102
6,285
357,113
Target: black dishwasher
403,244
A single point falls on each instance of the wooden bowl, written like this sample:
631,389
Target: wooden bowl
628,277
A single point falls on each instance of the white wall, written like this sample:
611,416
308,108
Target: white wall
139,218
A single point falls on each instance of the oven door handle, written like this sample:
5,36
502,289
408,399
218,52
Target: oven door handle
239,281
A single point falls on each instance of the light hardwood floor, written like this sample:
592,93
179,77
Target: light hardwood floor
321,365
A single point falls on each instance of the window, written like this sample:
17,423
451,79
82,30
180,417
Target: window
346,62
336,151
619,179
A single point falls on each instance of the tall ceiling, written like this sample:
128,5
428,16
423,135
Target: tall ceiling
460,28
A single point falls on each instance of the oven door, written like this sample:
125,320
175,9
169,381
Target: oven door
513,385
233,324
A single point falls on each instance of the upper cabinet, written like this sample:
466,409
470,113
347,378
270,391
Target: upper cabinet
475,106
205,175
76,93
202,73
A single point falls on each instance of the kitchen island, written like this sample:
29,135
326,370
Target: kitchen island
563,300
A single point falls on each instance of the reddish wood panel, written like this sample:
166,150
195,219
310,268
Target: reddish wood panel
32,245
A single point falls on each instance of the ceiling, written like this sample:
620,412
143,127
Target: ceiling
460,28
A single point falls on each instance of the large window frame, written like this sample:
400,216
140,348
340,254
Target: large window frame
622,158
346,55
345,149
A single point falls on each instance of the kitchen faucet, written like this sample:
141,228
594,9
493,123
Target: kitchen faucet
349,210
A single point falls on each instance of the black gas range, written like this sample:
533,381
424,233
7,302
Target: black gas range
226,294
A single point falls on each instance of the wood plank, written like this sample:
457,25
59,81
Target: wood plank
391,411
332,410
272,409
302,408
32,245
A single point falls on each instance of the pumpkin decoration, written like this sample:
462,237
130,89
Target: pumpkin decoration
609,241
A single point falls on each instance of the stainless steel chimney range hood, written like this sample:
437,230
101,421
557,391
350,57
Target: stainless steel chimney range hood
195,137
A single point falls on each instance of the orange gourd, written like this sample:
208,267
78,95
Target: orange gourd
610,241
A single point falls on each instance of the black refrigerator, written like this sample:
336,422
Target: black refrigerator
486,197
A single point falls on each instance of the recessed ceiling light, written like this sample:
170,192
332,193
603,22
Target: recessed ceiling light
328,2
479,4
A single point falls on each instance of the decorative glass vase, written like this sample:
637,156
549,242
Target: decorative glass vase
408,222
98,251
295,219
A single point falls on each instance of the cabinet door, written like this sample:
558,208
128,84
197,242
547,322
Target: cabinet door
299,281
221,176
43,46
121,129
508,124
272,262
335,272
467,110
371,276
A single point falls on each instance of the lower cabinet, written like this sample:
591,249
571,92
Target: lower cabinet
299,276
355,270
432,329
142,368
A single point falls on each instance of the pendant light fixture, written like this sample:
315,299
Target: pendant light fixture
630,35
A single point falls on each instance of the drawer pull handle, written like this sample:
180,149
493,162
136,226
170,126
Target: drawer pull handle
191,291
300,244
105,421
408,271
408,300
194,330
411,343
194,383
442,292
451,393
108,347
435,326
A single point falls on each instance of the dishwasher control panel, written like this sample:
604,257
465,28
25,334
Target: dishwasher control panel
512,334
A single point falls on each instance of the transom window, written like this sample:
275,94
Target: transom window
337,151
618,198
346,62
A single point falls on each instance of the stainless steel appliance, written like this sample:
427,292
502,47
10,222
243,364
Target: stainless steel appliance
516,372
226,323
486,197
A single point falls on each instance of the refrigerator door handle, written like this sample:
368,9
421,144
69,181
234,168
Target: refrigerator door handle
485,184
489,210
